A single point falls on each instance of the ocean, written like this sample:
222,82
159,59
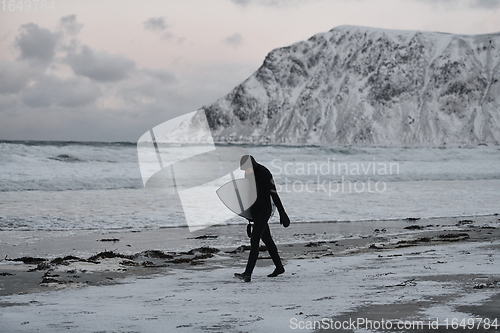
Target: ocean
97,186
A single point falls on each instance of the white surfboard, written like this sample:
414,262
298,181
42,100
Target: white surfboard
238,195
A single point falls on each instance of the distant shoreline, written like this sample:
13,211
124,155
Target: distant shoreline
242,143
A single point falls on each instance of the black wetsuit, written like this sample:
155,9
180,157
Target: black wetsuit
261,212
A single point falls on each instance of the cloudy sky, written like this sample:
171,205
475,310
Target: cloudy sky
110,70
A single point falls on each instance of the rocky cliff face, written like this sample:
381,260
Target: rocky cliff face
367,86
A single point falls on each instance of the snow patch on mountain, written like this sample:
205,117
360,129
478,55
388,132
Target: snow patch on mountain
367,86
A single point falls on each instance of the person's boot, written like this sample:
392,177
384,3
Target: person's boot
243,276
277,271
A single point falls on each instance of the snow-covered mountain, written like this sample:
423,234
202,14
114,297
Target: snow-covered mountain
368,86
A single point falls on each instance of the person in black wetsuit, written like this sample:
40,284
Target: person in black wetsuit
261,212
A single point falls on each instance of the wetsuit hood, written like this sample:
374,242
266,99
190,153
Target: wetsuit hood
247,161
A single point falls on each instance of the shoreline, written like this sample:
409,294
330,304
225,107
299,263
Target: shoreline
103,258
177,238
411,271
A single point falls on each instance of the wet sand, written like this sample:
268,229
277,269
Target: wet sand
63,259
446,252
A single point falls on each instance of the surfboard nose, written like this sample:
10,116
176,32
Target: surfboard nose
239,195
179,157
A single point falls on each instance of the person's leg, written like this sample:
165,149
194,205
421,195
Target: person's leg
273,252
258,229
271,247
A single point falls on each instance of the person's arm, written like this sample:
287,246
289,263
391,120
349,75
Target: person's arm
284,219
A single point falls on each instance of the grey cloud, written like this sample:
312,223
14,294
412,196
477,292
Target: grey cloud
74,92
161,74
485,4
234,40
146,87
100,66
167,35
145,99
241,2
158,24
51,90
489,4
38,106
69,25
9,105
36,43
155,23
15,75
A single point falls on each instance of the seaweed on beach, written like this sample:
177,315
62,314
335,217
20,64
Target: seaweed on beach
450,237
180,260
49,280
203,256
41,267
129,263
109,240
199,254
150,264
406,283
414,227
154,254
107,255
243,248
28,260
240,249
6,274
48,277
493,284
453,237
314,244
73,258
205,237
203,249
487,227
411,242
63,261
44,265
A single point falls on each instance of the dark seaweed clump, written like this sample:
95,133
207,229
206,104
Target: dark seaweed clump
109,254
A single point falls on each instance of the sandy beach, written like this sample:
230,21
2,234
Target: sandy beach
423,275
